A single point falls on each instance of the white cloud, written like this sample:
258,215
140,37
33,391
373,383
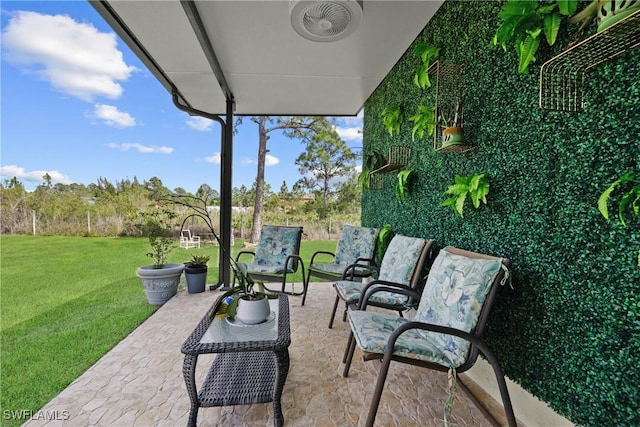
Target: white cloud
269,160
350,133
33,176
141,148
216,159
111,116
75,58
199,123
350,128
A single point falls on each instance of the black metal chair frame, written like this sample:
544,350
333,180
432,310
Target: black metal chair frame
331,277
425,259
477,346
290,267
369,263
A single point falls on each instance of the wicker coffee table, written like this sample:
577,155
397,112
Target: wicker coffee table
252,364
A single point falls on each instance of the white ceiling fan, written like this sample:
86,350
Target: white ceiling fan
325,21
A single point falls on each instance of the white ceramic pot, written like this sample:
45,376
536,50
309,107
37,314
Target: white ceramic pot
252,312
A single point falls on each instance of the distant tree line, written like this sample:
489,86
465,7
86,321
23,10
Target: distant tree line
104,208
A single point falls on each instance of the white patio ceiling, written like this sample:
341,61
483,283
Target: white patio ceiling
268,68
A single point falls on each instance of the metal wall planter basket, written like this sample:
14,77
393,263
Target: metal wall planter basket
399,157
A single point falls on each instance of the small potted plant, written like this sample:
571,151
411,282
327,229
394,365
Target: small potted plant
242,302
453,133
161,279
607,12
195,271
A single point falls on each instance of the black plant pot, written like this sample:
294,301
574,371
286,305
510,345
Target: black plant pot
196,278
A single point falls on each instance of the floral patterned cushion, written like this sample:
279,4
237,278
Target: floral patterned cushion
398,265
453,296
268,269
275,245
372,330
338,269
354,242
350,292
400,259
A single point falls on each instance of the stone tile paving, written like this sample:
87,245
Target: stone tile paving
139,382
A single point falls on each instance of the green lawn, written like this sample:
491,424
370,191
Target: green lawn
66,301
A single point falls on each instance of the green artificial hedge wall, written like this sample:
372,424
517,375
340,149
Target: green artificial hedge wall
569,330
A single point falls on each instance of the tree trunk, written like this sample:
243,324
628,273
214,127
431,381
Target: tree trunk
325,194
259,201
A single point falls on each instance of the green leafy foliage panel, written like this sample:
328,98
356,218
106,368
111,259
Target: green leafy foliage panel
569,330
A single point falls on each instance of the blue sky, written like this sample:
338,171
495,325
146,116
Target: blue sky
77,104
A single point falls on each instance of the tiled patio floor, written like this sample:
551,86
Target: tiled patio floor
139,382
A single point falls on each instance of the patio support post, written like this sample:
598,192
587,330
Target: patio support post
226,153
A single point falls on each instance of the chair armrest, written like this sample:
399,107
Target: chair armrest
292,258
322,253
252,253
298,258
370,261
383,286
432,327
349,271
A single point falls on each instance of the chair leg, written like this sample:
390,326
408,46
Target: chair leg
306,286
344,314
333,313
502,385
351,348
346,350
377,393
305,283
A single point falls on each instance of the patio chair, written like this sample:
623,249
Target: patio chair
188,241
355,246
448,325
276,256
403,263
